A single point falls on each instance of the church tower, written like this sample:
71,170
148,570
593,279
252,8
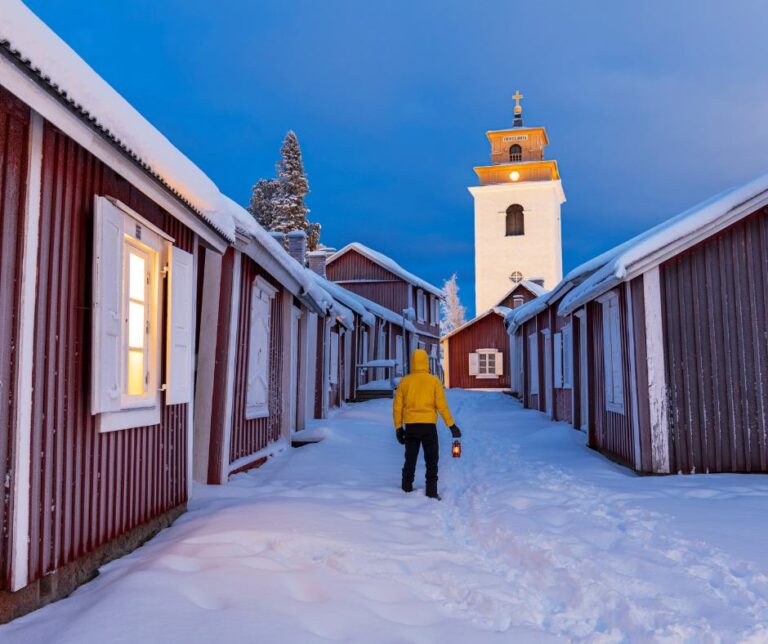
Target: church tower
517,213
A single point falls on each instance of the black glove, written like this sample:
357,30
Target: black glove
400,434
455,431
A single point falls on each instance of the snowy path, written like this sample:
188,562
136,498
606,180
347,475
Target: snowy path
537,539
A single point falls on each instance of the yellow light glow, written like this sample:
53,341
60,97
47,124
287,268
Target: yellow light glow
136,372
135,325
136,268
514,175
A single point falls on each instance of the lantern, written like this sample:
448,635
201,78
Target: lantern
456,449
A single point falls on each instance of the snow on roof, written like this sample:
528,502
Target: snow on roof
651,247
348,298
387,262
516,317
503,311
533,287
30,40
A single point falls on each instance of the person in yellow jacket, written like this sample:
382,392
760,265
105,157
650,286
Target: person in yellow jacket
418,399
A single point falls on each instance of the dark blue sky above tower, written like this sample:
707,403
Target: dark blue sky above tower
650,106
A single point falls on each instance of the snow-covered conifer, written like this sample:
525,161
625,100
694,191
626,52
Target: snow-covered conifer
263,198
453,313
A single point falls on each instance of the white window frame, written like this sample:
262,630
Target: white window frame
259,344
567,356
613,362
533,363
127,411
333,362
557,358
435,310
421,306
484,356
517,301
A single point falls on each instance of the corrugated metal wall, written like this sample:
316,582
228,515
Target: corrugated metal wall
715,312
249,436
14,136
641,368
488,333
86,487
610,432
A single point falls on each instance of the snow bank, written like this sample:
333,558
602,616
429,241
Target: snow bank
70,76
388,263
536,539
612,267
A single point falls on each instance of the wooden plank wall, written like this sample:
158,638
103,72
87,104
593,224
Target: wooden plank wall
86,487
14,136
641,369
487,333
562,407
250,436
715,316
611,432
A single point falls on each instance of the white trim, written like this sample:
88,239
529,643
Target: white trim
22,446
277,447
30,92
144,222
231,349
206,363
193,371
633,377
612,351
657,378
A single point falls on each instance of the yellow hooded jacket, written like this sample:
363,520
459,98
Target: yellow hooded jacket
420,395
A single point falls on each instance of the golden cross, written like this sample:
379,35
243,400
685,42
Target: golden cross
517,96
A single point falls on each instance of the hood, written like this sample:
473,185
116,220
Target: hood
419,361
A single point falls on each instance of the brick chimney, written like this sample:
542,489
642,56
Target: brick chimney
317,262
297,245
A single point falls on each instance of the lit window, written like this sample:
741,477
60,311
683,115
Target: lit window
137,322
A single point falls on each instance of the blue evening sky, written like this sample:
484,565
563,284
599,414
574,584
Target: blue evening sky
651,106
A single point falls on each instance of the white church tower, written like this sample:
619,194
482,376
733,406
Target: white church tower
517,214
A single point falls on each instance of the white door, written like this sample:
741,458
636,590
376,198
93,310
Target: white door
294,391
548,371
583,374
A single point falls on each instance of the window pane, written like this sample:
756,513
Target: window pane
136,372
136,279
135,325
491,363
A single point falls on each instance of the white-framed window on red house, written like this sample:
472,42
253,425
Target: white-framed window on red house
486,363
613,364
421,306
131,257
259,341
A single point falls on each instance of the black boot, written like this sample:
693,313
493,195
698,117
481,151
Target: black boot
435,496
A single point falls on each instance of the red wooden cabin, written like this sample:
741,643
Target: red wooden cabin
476,354
380,279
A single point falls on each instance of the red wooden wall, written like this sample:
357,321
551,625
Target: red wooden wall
610,432
249,436
487,333
14,135
562,407
87,487
715,316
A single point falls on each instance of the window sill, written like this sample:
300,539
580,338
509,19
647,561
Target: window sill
262,411
128,419
615,408
487,376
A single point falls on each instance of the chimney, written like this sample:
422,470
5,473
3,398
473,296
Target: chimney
278,237
317,262
297,245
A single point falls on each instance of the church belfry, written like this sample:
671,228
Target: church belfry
517,213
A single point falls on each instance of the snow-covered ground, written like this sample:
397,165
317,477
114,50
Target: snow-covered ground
537,539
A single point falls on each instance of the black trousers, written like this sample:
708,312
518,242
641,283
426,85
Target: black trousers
421,435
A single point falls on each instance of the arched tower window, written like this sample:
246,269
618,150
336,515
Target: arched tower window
515,220
515,152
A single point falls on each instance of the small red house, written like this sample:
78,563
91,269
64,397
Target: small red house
476,354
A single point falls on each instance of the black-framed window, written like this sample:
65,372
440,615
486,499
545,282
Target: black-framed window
515,152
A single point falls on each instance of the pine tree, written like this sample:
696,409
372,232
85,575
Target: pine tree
453,313
278,204
263,197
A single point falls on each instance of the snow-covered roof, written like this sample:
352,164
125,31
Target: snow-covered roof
347,298
665,240
72,80
388,263
503,311
516,317
533,287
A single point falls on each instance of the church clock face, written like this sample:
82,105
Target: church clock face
516,276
